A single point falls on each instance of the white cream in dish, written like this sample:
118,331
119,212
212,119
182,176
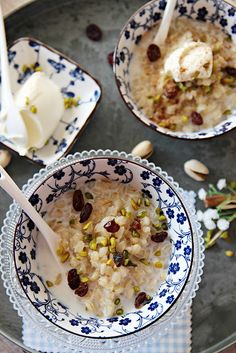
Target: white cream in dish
190,61
41,106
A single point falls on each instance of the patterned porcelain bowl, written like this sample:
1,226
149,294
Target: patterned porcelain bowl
218,12
71,172
28,55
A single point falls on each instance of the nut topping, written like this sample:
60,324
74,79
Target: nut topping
196,170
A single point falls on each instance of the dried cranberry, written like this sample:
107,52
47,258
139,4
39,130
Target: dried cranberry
86,212
78,200
73,279
159,237
230,70
118,258
171,90
82,290
140,300
196,118
112,226
153,52
94,32
110,58
136,225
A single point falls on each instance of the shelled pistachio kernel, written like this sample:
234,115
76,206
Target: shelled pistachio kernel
162,218
87,238
109,262
229,253
27,102
157,226
117,301
158,210
88,196
58,279
64,257
93,245
49,284
126,254
83,253
72,221
135,234
144,261
60,250
158,264
224,235
84,279
136,289
157,252
185,119
113,242
164,226
24,68
142,214
126,262
147,202
134,204
123,212
104,242
139,202
87,225
119,311
112,249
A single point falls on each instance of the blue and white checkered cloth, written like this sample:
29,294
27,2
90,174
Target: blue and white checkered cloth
177,340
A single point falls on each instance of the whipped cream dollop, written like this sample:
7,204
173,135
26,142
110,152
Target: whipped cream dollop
41,106
192,60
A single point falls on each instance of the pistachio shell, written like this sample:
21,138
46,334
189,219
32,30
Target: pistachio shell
5,158
143,149
196,169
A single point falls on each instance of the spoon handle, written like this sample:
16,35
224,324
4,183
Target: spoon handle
163,30
12,189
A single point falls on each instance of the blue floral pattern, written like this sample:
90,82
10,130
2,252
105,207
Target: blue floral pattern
214,11
153,186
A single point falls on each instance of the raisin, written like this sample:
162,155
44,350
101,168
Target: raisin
118,259
110,58
78,200
112,226
136,225
171,90
140,300
159,237
82,290
153,52
86,212
94,32
196,118
73,279
231,71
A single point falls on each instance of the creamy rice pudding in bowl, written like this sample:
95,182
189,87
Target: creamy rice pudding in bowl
186,87
128,242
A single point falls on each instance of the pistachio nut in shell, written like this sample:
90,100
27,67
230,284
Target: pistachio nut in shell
5,158
143,149
196,170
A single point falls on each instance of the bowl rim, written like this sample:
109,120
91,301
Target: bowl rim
153,126
150,167
57,52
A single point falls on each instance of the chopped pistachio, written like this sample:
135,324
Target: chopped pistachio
38,69
88,196
139,202
109,262
229,253
227,112
123,212
147,202
117,301
133,204
185,119
207,89
126,262
72,221
128,214
157,226
113,242
33,109
83,253
49,284
227,80
157,253
135,233
93,245
24,68
64,257
162,218
60,250
182,87
112,249
158,210
126,254
119,311
104,242
27,101
87,225
158,264
58,279
142,214
136,289
156,98
84,279
224,235
144,261
164,226
87,238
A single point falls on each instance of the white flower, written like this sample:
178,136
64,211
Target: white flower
199,215
223,224
202,194
221,184
209,224
210,213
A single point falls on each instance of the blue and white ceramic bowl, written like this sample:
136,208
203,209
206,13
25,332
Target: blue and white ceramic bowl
219,12
71,172
24,56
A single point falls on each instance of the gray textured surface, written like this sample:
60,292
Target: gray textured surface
61,24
